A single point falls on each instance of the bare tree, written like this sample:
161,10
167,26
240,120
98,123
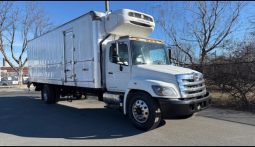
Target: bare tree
203,24
43,21
32,19
238,78
180,58
5,23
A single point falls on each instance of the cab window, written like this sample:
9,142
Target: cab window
121,56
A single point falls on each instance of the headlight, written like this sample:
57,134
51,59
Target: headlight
164,91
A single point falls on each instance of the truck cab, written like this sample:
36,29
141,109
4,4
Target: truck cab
140,67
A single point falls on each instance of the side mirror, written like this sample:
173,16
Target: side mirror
121,67
170,55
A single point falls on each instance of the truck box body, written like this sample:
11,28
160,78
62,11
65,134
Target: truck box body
73,46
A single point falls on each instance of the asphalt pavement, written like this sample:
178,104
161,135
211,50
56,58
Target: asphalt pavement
26,120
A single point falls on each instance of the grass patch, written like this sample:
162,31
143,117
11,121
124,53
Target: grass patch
226,101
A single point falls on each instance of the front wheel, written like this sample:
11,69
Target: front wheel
144,111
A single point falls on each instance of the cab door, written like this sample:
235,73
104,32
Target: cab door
118,66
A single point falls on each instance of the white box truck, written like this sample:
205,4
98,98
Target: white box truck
109,55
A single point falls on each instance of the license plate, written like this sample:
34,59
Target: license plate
15,82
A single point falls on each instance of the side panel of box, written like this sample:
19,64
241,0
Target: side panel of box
46,58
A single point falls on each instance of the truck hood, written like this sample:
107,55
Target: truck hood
162,71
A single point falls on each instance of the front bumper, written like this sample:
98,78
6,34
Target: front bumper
184,107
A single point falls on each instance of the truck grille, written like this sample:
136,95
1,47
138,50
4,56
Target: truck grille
191,85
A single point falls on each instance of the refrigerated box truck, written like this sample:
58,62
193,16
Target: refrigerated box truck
109,55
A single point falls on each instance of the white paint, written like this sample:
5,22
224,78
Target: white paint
46,57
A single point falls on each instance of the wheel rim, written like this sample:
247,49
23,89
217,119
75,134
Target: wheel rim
140,111
45,95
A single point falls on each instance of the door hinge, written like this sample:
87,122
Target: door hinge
74,49
74,75
73,36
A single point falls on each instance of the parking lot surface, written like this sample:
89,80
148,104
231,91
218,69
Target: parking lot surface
26,120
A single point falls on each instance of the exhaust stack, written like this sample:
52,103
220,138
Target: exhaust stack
107,6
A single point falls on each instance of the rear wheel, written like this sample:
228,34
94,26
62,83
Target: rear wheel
144,111
4,84
48,94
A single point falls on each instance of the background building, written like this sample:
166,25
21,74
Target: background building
6,70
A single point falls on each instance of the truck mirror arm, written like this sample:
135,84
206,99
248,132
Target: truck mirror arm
121,67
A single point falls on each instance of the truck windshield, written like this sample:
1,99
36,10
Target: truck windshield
149,53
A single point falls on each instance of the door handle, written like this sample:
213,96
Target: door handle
110,73
67,70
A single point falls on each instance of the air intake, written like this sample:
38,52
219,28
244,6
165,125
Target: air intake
140,24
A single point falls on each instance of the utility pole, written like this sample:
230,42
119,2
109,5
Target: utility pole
107,6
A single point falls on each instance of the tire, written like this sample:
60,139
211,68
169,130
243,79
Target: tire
57,94
4,84
150,106
185,116
48,94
